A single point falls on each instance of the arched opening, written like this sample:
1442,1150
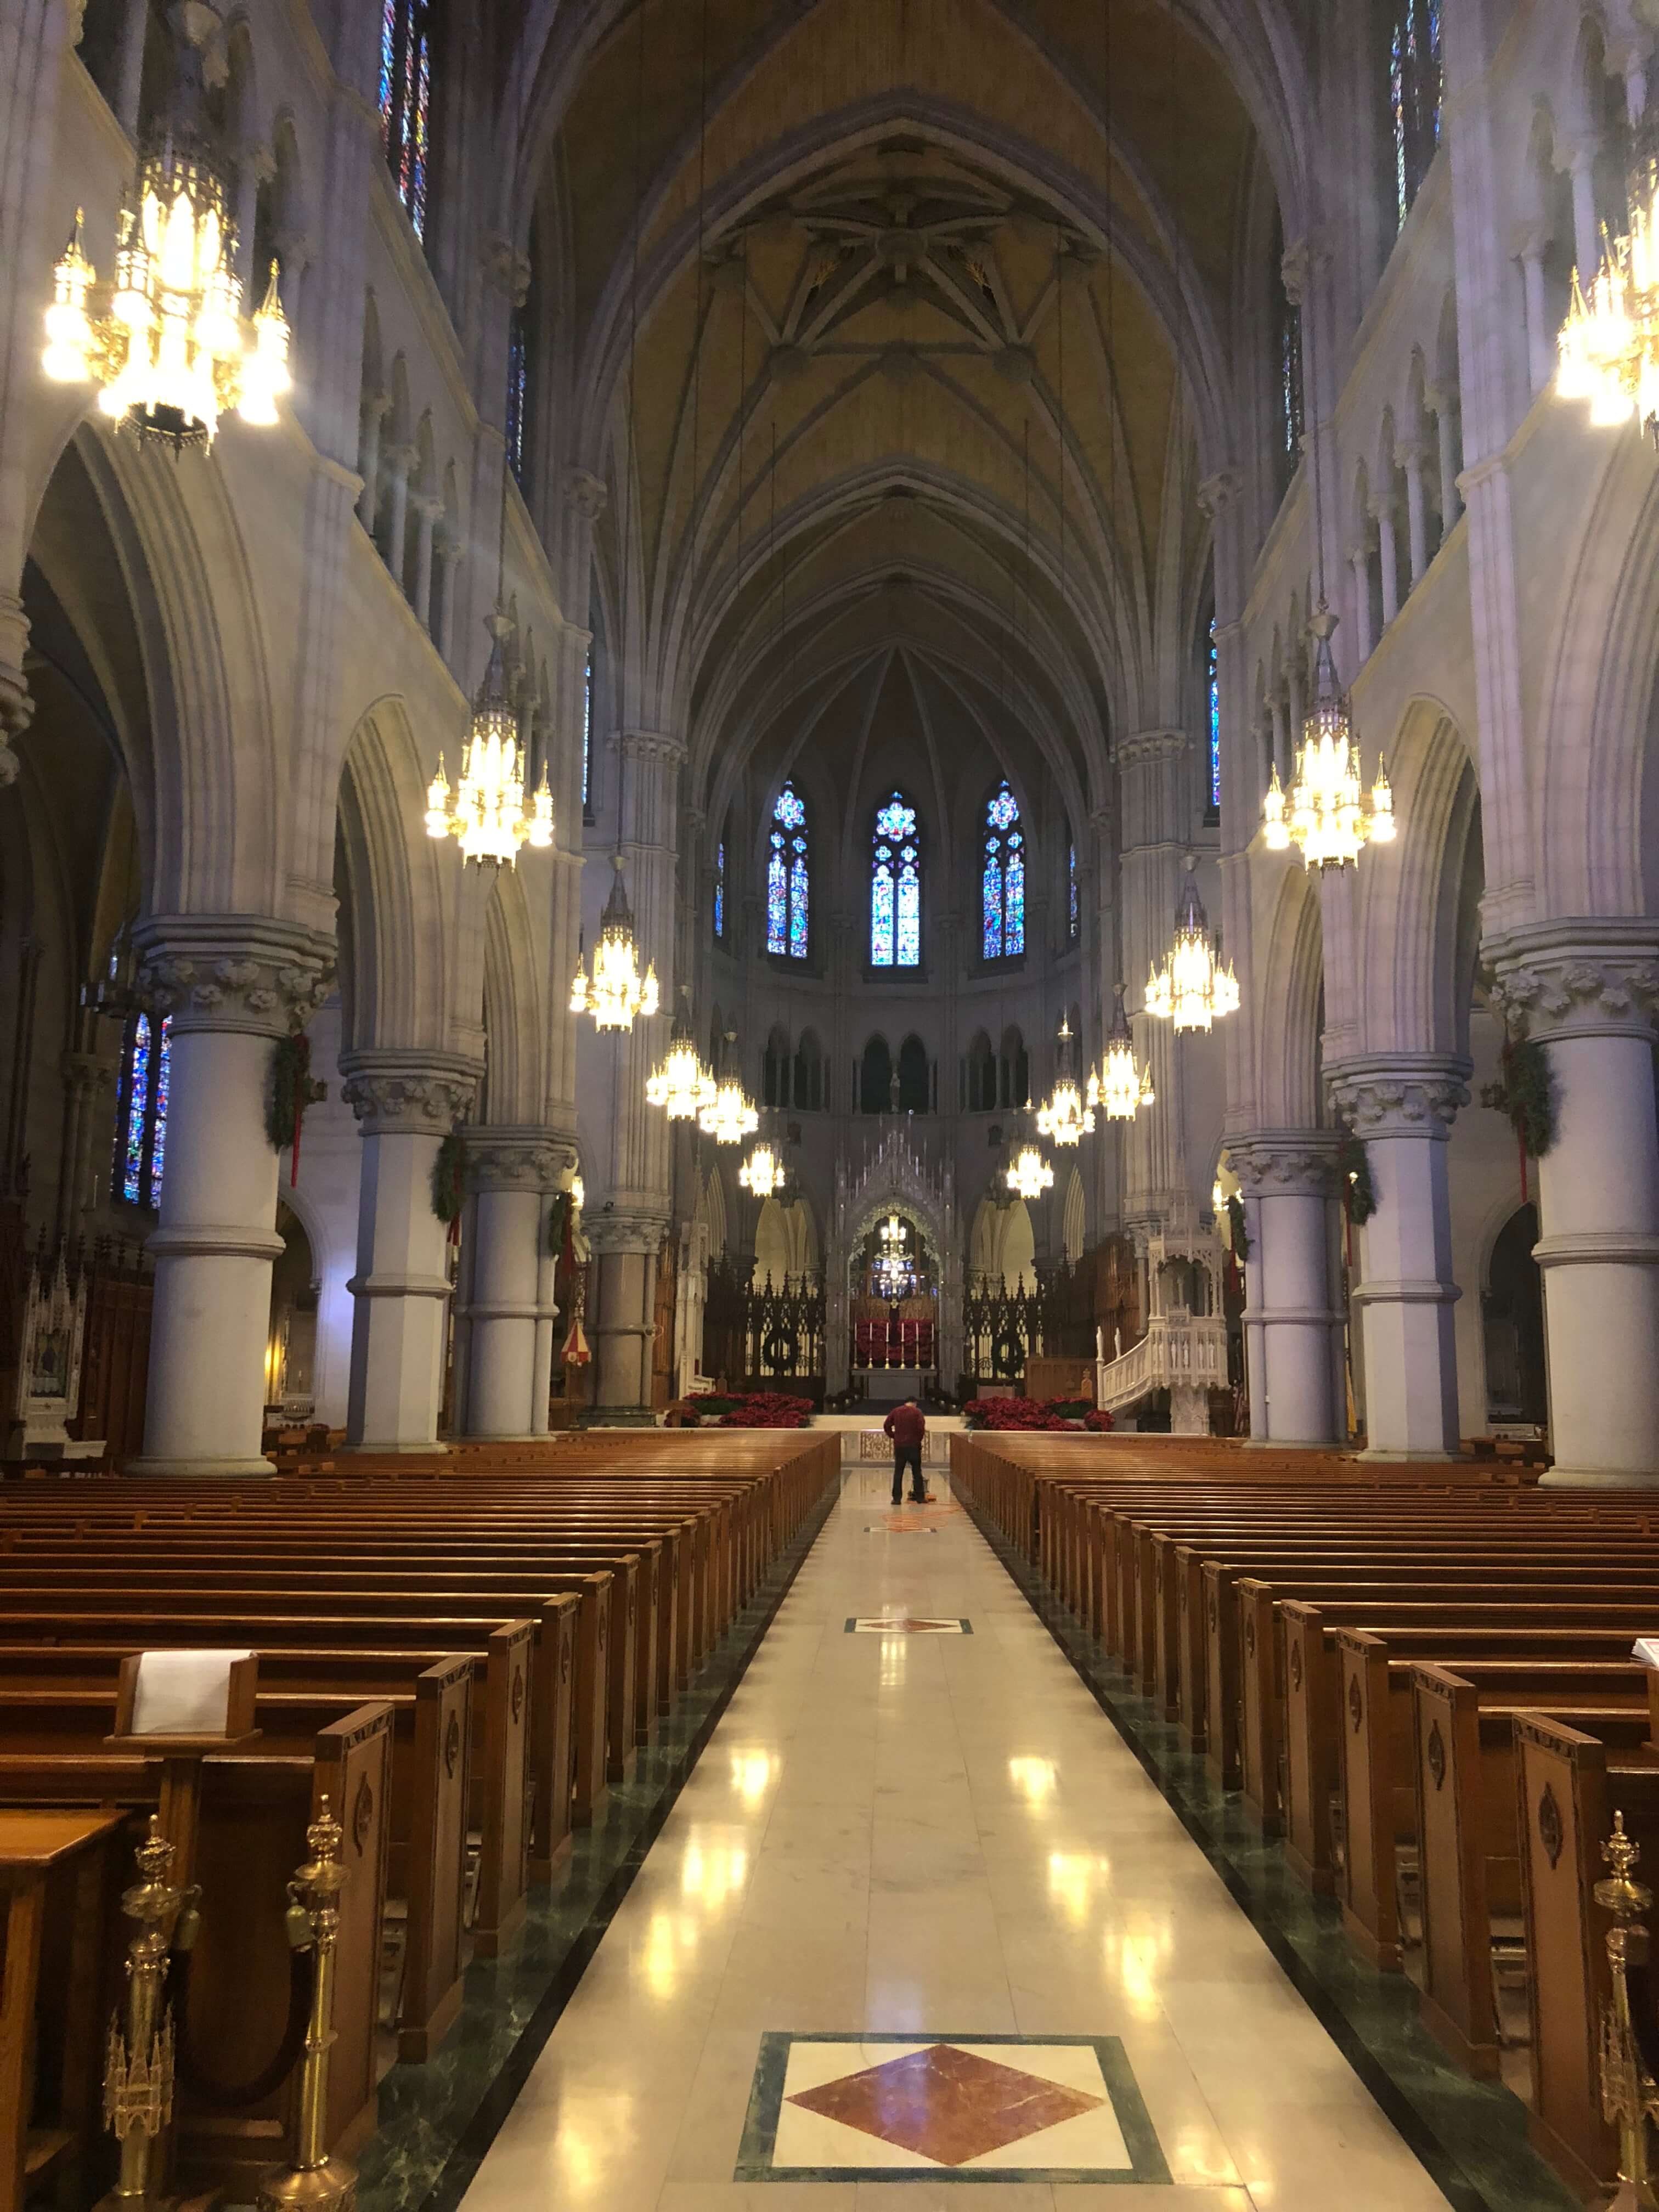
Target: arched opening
1013,1071
914,1082
291,1337
808,1074
876,1077
979,1077
1512,1313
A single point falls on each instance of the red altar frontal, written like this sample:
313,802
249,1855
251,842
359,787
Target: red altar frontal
905,1334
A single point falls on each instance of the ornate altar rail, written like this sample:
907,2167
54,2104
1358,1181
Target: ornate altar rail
759,1334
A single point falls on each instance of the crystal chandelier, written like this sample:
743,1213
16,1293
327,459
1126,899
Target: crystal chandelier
731,1114
167,341
1192,989
681,1084
762,1171
1123,1087
892,1232
616,993
1064,1118
486,810
1329,820
1029,1175
1608,348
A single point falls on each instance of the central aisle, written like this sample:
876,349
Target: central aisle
927,1851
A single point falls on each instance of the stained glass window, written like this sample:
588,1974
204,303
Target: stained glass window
895,886
141,1121
788,889
1002,881
719,891
518,392
1213,674
406,101
1074,918
1414,90
588,739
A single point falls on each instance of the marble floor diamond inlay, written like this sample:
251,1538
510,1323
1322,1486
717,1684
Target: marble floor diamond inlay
909,1876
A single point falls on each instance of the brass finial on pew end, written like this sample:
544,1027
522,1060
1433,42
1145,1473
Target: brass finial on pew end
315,2181
138,2058
1630,2098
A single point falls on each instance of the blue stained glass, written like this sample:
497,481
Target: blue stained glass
797,898
992,901
777,896
132,1149
909,916
881,912
587,750
895,819
1003,811
1014,896
789,808
406,101
1215,721
159,1137
719,888
518,383
1071,881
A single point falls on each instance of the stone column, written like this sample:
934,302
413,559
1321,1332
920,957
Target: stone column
1388,555
1287,1177
1359,560
1587,990
1541,348
625,1248
1442,404
129,86
375,409
427,511
1402,1107
232,985
1412,456
406,1104
511,1173
401,461
255,166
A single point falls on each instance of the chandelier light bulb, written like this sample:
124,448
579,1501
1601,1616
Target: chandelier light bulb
615,993
1029,1175
1123,1087
486,812
681,1085
1063,1117
1325,814
761,1173
731,1114
1192,989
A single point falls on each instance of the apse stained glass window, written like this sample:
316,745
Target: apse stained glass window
588,739
1414,87
1213,677
719,891
406,102
517,392
789,888
895,886
1002,878
141,1121
1073,913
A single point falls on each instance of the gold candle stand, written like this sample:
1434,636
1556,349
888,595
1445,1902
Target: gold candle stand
315,2180
1630,2098
138,2064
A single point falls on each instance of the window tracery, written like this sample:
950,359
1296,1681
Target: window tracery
895,886
788,884
1002,877
141,1111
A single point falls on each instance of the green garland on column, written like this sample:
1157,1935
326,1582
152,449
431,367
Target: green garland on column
448,1167
1353,1165
1525,1093
1238,1235
291,1089
558,1215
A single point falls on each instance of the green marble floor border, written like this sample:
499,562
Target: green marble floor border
1470,2136
438,2120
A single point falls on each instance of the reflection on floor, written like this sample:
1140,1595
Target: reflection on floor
919,1922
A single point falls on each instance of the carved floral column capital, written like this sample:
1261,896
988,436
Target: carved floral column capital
1400,1094
233,972
419,1094
635,1229
1284,1162
1582,977
517,1159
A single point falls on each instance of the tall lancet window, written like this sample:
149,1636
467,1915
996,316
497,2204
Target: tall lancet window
141,1112
719,891
406,102
1212,676
788,886
1414,94
896,885
1073,911
1002,877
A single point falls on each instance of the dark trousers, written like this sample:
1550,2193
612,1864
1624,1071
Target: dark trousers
908,1455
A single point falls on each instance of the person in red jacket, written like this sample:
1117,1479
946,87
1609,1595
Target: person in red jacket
907,1425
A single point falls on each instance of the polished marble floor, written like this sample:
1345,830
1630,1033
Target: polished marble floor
919,1923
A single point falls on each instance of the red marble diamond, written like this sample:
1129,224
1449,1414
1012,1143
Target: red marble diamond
948,2105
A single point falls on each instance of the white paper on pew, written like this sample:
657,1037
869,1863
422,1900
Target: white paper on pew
183,1692
1646,1650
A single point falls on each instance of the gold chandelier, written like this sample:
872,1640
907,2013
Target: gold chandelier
1328,821
762,1171
1123,1087
1192,989
1063,1117
167,341
1608,348
486,810
681,1085
1029,1174
616,993
731,1114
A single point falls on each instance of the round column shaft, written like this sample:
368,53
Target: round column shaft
1290,1323
513,1173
